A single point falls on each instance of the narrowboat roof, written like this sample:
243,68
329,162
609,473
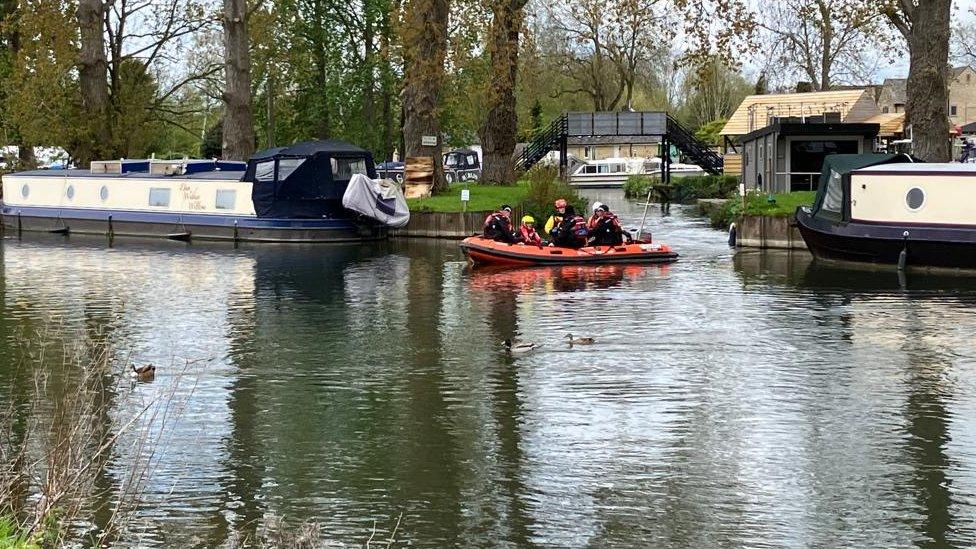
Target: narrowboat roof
223,175
922,167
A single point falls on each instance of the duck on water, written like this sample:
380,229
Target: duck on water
893,209
313,191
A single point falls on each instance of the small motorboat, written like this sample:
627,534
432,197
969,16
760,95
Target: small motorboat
483,251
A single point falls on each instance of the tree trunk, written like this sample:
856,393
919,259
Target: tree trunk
386,89
499,128
424,45
238,119
926,29
93,81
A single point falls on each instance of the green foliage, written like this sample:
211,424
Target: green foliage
213,140
544,188
686,188
637,186
11,537
534,195
709,133
782,205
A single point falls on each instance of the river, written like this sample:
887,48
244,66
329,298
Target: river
732,399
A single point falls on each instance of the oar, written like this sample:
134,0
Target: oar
647,204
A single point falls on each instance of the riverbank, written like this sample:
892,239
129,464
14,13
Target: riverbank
764,222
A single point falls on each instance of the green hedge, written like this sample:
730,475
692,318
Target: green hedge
686,188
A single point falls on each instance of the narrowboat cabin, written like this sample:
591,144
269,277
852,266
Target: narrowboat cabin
894,210
284,194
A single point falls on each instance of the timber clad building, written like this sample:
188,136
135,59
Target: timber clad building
780,140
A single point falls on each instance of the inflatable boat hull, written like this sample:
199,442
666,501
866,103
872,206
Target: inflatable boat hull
482,251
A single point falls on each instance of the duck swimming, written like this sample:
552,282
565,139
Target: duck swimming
580,340
518,348
144,373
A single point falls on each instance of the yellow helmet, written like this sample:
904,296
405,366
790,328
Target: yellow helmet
528,219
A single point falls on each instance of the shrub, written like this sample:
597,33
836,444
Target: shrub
545,187
706,186
637,186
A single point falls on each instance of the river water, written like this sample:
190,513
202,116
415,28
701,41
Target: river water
731,399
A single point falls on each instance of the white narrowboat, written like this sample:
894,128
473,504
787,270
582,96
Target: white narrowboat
284,194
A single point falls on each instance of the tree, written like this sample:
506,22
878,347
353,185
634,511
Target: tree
604,44
93,80
501,123
828,42
10,50
424,35
712,92
925,26
238,119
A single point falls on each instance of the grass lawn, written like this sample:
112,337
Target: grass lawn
483,198
785,203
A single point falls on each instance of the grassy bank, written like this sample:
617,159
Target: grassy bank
686,188
782,205
533,194
483,198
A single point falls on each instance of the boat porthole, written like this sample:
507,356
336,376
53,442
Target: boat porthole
915,198
70,193
25,191
103,193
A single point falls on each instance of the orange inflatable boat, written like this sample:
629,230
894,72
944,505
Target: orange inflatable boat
483,251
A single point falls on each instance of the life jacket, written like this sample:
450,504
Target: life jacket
496,223
529,235
607,230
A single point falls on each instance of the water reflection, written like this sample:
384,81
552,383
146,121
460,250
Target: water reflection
732,399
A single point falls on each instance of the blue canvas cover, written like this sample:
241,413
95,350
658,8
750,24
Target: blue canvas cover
305,180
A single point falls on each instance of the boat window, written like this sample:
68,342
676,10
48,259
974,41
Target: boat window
472,160
70,193
226,199
264,171
25,191
603,168
589,169
834,197
103,193
286,166
344,168
450,160
159,196
915,198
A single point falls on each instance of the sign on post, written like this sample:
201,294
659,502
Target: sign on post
465,195
428,140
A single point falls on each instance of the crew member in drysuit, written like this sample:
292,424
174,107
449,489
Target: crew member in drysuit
606,229
498,225
591,222
968,150
572,230
552,224
527,233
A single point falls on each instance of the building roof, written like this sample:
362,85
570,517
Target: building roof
754,112
896,89
892,123
787,128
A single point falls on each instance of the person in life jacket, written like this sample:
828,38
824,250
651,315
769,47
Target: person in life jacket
572,230
498,225
605,229
591,222
555,219
527,233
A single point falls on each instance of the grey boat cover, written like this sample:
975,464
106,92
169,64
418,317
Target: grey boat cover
380,199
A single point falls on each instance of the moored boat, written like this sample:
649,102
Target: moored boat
888,209
284,194
614,172
484,251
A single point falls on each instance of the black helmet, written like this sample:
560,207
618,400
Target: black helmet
505,207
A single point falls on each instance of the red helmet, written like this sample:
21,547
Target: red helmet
561,203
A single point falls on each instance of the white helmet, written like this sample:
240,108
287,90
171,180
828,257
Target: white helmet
597,205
